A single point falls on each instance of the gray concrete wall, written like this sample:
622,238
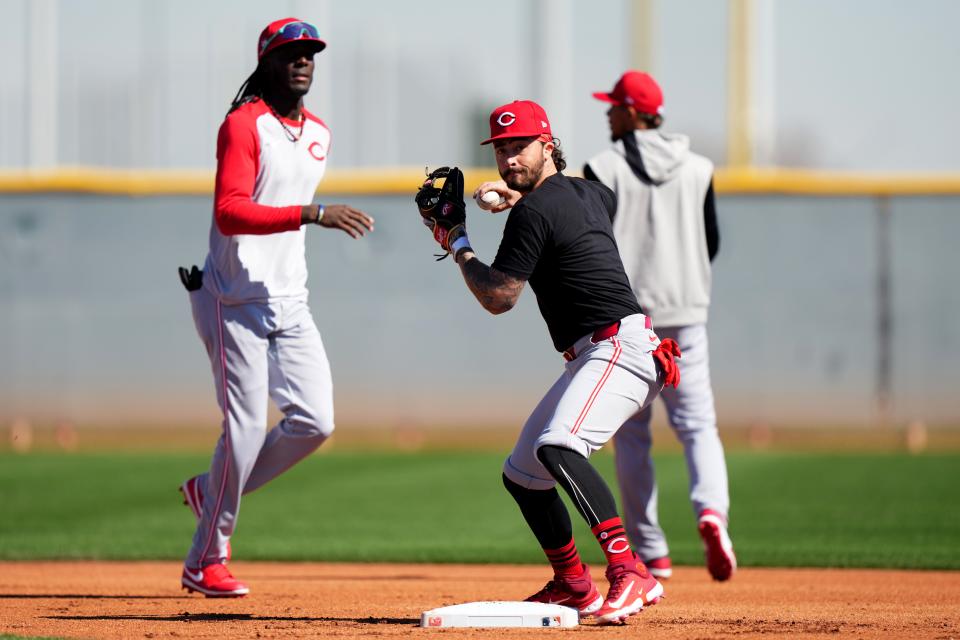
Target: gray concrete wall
95,326
142,83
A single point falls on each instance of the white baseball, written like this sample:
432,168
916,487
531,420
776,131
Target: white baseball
489,200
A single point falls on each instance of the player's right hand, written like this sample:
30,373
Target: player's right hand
510,196
346,218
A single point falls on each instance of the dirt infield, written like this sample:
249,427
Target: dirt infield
142,600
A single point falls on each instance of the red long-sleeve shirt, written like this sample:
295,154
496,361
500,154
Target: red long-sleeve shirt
267,169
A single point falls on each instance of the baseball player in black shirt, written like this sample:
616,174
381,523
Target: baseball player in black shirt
558,237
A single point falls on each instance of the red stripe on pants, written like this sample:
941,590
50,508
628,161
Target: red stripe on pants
596,390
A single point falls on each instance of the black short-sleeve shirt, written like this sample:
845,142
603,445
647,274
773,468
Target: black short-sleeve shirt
559,238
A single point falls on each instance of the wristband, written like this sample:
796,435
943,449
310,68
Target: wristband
320,210
460,244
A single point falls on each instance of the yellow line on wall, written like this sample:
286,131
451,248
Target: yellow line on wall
108,182
405,180
161,182
826,183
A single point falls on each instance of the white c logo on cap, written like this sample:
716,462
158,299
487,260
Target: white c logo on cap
506,119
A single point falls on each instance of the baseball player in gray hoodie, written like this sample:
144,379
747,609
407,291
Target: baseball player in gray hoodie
666,229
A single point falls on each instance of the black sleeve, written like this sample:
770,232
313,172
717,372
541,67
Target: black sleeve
589,174
710,223
609,201
524,238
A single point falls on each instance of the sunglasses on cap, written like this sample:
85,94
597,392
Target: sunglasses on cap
288,33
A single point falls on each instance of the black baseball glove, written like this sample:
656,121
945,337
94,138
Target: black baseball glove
440,201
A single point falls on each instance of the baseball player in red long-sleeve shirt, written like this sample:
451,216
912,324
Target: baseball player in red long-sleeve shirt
250,301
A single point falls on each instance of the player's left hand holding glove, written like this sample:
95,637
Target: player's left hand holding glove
440,201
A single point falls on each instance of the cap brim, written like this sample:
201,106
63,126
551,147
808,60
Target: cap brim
504,136
605,97
499,137
317,45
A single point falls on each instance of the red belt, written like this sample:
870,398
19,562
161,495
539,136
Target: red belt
600,334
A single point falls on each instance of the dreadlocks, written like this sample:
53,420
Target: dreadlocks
251,89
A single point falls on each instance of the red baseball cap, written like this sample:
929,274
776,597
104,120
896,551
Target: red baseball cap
281,32
519,119
635,89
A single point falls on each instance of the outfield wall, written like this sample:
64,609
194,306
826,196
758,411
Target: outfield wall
96,328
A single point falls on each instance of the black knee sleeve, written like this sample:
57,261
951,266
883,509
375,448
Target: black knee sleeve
545,513
584,484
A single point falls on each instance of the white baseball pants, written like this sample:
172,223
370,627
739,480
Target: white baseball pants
258,351
691,414
606,383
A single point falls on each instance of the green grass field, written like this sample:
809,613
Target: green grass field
837,510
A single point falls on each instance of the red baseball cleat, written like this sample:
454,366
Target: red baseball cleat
660,568
631,587
721,561
213,581
193,498
578,592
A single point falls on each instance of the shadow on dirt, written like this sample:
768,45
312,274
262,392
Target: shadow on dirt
242,617
80,596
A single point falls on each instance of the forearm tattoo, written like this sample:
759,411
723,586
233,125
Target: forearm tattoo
496,291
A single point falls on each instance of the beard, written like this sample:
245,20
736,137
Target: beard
523,179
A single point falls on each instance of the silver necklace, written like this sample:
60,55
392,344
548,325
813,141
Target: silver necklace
293,137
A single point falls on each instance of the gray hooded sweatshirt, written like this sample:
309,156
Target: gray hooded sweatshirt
659,225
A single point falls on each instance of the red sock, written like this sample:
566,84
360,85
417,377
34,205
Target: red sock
565,560
613,540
